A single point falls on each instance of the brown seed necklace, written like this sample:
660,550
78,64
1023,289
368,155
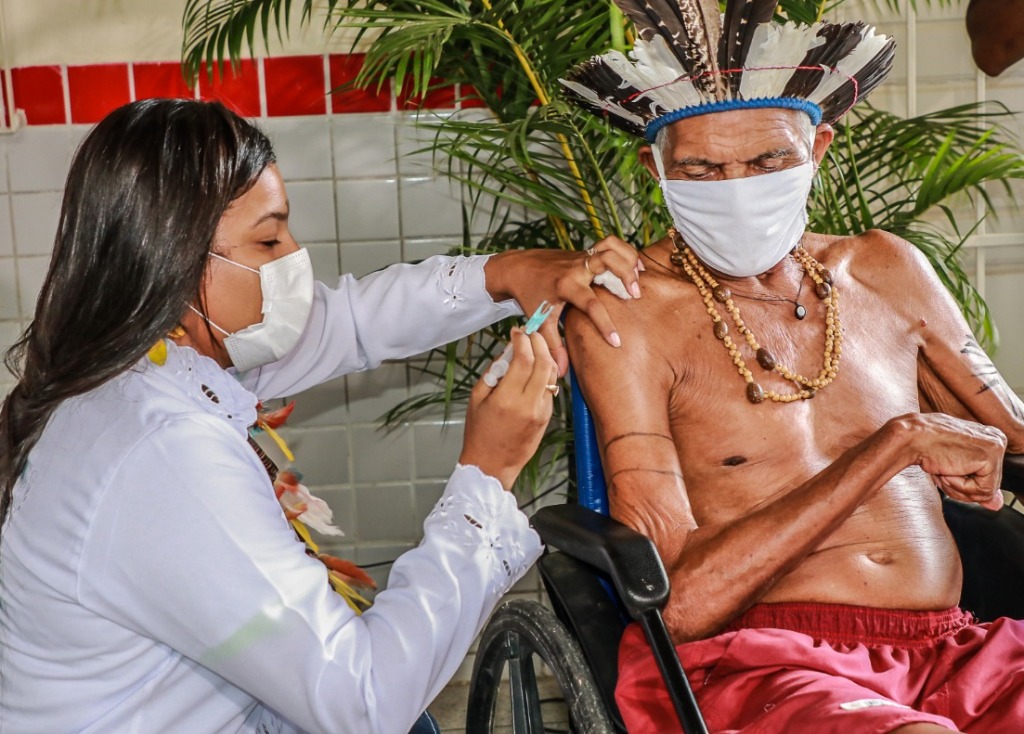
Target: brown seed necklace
711,291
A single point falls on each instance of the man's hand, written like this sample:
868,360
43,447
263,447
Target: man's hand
964,458
532,276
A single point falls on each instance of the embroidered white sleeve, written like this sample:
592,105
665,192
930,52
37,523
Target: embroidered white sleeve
476,512
451,279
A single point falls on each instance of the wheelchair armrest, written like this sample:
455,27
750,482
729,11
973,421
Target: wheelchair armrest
632,562
627,557
1013,474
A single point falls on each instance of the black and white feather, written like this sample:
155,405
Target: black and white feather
688,56
739,25
690,28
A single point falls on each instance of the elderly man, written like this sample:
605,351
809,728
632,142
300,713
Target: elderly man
762,423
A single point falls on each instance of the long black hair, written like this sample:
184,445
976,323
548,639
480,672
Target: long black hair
145,192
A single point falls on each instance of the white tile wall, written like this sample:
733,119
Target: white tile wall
303,147
381,456
38,158
364,146
9,308
35,219
322,454
362,258
324,256
436,448
312,213
6,227
386,512
431,208
371,394
31,273
367,209
412,141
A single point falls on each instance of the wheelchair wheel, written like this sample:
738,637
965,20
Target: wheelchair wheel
518,631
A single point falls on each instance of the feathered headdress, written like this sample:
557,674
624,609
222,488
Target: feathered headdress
690,60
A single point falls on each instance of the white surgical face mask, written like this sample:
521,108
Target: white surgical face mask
287,286
740,226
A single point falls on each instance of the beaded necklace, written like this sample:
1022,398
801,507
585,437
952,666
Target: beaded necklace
711,291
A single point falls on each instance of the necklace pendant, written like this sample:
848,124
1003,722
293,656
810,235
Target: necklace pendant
800,312
766,359
755,393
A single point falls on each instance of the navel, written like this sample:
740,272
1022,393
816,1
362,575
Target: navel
734,461
882,558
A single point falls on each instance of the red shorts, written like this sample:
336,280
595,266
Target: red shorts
823,668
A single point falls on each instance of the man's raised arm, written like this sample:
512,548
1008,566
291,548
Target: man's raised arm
955,375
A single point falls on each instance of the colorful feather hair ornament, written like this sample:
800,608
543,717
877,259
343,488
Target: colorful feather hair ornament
304,511
688,60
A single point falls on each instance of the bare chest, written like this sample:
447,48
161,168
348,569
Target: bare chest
735,453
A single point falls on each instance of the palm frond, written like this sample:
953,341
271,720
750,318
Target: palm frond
217,30
891,173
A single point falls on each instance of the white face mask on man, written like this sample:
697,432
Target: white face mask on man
740,226
287,287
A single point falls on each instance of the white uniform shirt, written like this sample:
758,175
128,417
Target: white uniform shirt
150,583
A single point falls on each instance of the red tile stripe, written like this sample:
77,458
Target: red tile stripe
275,87
96,90
160,80
345,97
39,91
295,86
237,87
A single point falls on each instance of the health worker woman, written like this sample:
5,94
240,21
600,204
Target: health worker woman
150,581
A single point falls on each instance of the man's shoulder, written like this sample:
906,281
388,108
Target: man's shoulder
878,269
665,294
667,304
631,316
868,254
872,242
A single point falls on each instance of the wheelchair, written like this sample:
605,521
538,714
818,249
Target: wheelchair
604,574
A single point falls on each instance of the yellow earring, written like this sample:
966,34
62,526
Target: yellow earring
158,352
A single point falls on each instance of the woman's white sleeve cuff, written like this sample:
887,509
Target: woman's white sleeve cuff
466,274
476,512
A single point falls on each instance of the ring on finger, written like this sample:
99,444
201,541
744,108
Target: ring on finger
553,389
592,250
586,264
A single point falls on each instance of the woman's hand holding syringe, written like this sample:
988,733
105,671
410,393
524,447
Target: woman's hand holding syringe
510,407
500,366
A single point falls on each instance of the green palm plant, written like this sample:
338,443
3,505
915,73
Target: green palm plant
548,175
